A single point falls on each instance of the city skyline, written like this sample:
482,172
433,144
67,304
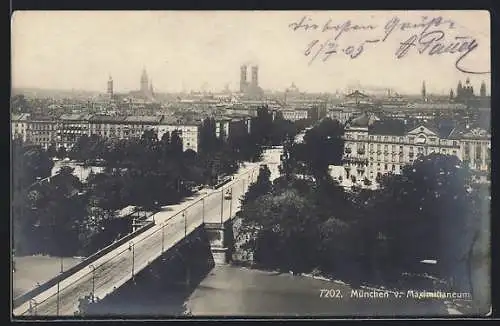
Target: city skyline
184,51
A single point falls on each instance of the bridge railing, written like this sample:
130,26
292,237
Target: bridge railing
99,280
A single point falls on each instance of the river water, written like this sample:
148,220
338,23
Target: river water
238,291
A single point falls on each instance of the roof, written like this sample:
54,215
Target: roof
470,133
364,120
394,127
19,117
442,128
75,117
356,93
126,211
144,119
42,118
107,118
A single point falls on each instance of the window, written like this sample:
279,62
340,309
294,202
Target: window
411,139
393,167
432,139
371,137
393,148
385,166
386,138
378,138
393,139
455,143
378,146
385,147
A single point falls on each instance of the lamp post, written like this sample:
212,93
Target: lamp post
132,248
162,237
231,202
33,305
93,281
203,210
62,267
57,307
221,205
185,222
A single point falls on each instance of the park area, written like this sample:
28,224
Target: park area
32,271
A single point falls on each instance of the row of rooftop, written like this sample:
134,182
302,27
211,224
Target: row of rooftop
123,119
445,128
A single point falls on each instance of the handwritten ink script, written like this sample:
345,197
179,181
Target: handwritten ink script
430,36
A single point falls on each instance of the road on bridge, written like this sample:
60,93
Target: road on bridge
172,224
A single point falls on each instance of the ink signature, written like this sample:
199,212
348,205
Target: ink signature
428,37
434,43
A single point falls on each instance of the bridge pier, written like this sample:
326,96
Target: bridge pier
221,241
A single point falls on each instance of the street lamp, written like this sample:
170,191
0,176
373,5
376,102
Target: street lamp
231,202
221,204
203,212
93,281
33,305
57,307
185,222
131,247
162,237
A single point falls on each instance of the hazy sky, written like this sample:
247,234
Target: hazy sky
187,50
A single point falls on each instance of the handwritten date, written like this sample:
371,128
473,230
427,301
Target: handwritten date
329,48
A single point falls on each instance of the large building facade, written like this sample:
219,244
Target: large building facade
375,147
42,131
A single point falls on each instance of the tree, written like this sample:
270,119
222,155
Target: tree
323,146
52,150
286,230
61,152
431,196
261,187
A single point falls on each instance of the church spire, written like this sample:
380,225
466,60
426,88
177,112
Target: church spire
482,90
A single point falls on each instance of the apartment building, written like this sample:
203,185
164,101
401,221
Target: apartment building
126,127
294,114
375,147
70,127
42,130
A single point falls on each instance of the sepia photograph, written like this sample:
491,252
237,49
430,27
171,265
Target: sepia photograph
328,164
